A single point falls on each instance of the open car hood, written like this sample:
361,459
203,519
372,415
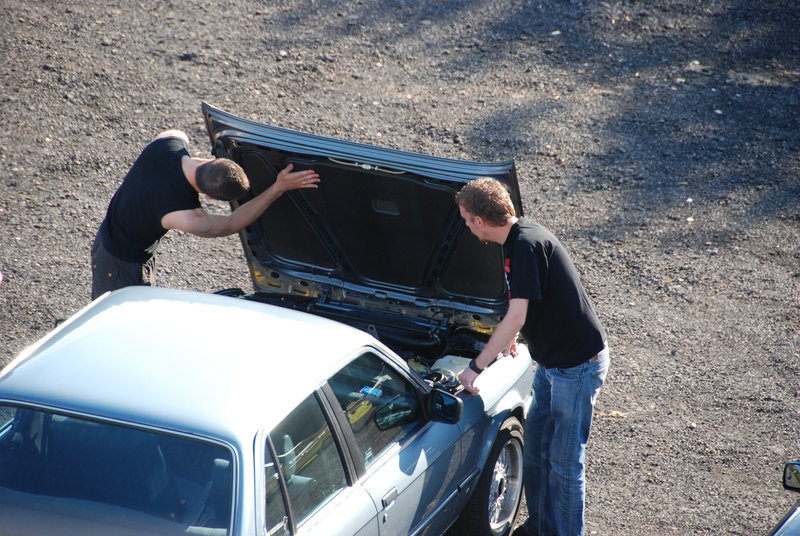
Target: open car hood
381,233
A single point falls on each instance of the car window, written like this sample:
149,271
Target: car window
381,405
309,460
277,519
53,464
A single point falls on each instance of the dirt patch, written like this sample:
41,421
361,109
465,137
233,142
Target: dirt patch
659,140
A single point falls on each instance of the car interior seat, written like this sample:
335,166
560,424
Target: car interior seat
109,464
213,508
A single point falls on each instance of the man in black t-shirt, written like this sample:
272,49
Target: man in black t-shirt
159,193
549,307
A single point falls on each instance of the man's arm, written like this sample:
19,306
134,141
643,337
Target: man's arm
199,222
503,337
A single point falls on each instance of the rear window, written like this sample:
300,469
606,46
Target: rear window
64,474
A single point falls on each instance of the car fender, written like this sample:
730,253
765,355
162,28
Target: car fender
505,389
504,385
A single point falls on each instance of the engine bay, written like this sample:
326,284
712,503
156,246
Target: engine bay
436,352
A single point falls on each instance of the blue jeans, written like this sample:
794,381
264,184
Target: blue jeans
556,431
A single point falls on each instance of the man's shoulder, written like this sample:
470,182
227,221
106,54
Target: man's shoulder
173,133
166,145
530,229
527,223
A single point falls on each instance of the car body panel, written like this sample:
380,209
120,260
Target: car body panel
412,480
351,512
790,524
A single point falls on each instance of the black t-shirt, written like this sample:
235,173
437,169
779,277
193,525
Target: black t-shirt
153,187
561,327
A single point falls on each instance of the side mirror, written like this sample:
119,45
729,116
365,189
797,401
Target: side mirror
443,406
791,476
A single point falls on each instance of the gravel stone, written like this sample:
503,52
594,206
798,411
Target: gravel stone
617,113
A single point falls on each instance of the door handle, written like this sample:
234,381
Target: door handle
389,498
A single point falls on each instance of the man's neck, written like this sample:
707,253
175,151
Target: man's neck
500,234
189,167
507,229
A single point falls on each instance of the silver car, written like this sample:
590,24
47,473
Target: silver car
323,402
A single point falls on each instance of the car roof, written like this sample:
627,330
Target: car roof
202,363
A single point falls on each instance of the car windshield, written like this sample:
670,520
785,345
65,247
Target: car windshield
61,474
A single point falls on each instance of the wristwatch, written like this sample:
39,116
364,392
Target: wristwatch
474,366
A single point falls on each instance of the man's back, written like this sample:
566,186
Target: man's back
154,186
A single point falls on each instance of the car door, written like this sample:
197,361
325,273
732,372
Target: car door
307,487
409,465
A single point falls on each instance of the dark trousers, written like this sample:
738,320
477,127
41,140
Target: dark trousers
110,273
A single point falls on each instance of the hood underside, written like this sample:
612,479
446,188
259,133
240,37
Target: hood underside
382,232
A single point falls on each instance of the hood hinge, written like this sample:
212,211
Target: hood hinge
325,297
438,327
219,150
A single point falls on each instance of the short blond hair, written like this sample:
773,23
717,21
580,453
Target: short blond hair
488,198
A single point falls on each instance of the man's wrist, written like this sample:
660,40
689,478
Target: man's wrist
277,188
473,365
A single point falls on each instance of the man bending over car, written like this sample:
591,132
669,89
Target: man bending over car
161,192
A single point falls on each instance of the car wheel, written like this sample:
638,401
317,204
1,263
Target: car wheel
493,507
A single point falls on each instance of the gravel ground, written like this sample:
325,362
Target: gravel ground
660,140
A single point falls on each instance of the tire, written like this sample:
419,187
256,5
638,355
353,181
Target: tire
492,510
